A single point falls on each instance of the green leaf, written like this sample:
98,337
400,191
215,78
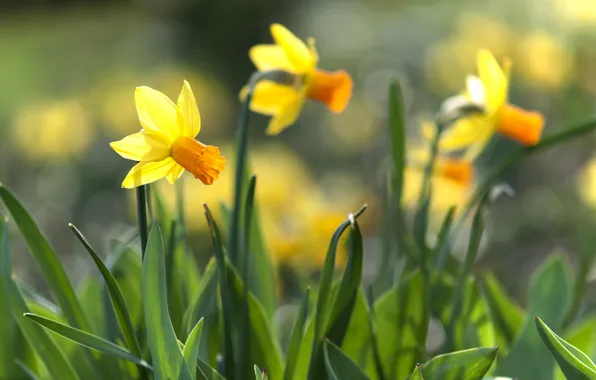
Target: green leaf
440,252
357,342
191,348
296,337
54,359
208,372
28,371
575,364
205,306
582,336
261,278
47,260
397,124
87,340
470,364
324,296
507,316
116,297
550,297
260,375
345,299
168,361
339,365
8,329
402,321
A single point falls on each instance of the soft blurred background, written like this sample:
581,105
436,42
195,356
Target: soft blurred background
68,70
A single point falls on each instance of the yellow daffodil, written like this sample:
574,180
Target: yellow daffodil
283,101
489,90
166,145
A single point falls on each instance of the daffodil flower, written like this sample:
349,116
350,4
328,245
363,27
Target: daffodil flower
489,90
166,145
283,101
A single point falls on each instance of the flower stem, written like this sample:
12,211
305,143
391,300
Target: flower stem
142,217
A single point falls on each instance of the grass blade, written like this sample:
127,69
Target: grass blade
323,298
168,361
296,337
339,365
87,340
191,348
54,359
116,297
47,260
575,364
142,216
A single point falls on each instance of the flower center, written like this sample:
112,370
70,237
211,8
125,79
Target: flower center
203,161
332,88
460,171
520,125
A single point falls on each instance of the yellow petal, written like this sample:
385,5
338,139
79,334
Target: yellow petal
475,90
297,52
269,97
286,117
142,146
494,80
157,113
270,57
189,118
147,172
175,174
478,147
466,132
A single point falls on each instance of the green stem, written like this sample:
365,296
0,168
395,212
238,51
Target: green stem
142,217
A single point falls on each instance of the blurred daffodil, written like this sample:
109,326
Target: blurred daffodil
450,181
284,99
490,91
166,145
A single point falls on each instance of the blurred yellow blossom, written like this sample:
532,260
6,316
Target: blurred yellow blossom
544,60
166,145
298,216
583,11
586,183
490,90
451,180
284,101
59,128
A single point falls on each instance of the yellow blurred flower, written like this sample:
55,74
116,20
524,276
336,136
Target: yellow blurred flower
583,11
166,145
586,183
284,101
298,216
544,60
490,90
59,128
450,181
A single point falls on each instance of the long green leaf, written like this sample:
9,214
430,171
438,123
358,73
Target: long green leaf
191,348
88,340
470,364
8,329
28,371
324,296
208,372
226,297
582,336
397,124
296,337
345,299
168,360
575,364
339,365
54,359
47,260
116,297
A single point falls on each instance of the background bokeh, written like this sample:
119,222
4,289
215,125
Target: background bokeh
68,70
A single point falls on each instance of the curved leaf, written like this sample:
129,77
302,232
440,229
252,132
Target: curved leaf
339,365
470,364
191,348
88,340
575,364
